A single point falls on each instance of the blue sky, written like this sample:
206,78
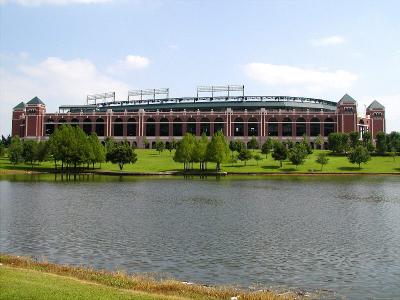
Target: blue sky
62,50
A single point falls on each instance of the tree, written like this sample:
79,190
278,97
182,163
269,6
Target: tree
267,147
170,146
338,142
306,145
322,159
253,144
184,150
381,145
218,149
257,157
42,151
280,152
354,138
319,141
200,151
160,146
29,151
298,154
97,154
359,155
394,140
122,154
15,150
244,155
146,143
2,150
237,145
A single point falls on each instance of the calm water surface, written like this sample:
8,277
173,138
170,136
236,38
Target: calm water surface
340,234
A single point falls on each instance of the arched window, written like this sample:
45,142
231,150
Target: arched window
177,127
272,127
218,125
131,127
252,127
61,122
87,126
238,127
286,127
118,127
74,122
150,127
301,127
315,127
205,126
329,126
164,127
49,126
191,126
100,127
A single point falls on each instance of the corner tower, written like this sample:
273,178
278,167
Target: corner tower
376,113
34,119
347,114
18,120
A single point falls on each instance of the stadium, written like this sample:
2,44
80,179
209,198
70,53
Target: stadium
150,115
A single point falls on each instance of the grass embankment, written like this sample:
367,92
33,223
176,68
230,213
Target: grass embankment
23,278
150,161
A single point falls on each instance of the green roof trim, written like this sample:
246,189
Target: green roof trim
347,99
376,105
35,101
21,105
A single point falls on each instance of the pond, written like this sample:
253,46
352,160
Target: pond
336,234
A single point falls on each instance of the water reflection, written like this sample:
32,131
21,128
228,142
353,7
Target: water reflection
338,234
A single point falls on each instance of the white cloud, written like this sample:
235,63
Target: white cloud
131,62
51,2
55,81
173,47
294,77
328,41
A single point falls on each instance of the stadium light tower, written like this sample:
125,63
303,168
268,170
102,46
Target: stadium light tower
219,89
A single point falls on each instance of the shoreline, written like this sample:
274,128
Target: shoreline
142,283
194,173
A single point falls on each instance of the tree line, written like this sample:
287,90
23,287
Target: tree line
71,148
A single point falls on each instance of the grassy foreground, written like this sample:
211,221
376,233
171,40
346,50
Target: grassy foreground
151,161
23,278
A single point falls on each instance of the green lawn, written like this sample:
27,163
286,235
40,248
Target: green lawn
151,161
20,284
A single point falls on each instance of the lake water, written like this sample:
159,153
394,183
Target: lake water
337,234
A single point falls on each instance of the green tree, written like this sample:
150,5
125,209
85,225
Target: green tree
2,150
170,146
29,151
319,140
15,150
322,159
200,151
359,155
184,150
394,140
298,154
160,146
253,144
97,152
146,143
354,139
42,151
381,145
306,145
257,157
218,149
280,152
267,147
338,142
244,155
122,154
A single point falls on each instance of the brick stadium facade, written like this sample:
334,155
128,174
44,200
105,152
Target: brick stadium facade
239,117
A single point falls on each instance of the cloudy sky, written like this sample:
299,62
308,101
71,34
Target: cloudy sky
62,50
